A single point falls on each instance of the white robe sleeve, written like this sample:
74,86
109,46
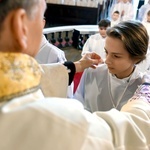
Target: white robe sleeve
129,128
129,13
63,124
86,47
54,81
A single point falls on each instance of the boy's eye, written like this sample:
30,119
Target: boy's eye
102,28
116,56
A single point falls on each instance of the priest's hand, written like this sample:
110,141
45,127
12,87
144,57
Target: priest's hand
90,59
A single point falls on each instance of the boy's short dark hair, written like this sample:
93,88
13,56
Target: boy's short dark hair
104,23
116,12
134,37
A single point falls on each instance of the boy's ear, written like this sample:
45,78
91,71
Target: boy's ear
19,28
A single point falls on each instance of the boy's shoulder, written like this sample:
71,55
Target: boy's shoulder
95,36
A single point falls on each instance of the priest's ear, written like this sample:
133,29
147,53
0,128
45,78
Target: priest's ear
19,28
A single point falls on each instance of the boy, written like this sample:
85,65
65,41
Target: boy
115,18
96,42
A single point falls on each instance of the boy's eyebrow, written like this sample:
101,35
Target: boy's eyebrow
113,52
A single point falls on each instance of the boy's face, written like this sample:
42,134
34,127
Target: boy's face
118,60
125,1
102,31
115,16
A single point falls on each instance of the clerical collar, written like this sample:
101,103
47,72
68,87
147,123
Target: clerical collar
126,79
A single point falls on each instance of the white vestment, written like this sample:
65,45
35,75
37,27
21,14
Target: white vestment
28,121
33,123
147,26
113,23
54,77
144,66
143,12
94,89
49,53
127,8
95,43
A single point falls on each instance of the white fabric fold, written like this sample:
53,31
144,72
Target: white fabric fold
54,81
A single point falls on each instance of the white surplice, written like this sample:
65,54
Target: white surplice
28,121
127,8
94,89
49,53
143,12
95,43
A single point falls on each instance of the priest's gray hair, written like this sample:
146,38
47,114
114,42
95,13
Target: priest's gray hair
6,6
